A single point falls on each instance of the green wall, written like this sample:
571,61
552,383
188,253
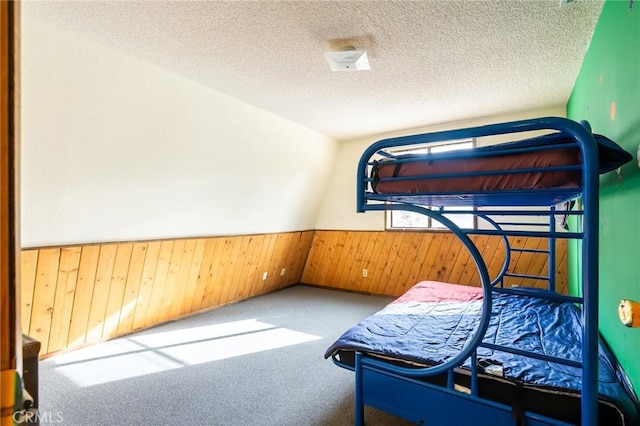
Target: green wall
610,80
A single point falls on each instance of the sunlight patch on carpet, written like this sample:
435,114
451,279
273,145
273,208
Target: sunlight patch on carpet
150,353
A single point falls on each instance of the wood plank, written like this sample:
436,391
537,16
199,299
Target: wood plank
209,280
372,252
332,257
543,263
395,256
491,249
170,291
400,250
340,251
276,261
101,288
421,255
182,279
430,257
524,262
387,282
469,267
159,282
206,271
224,279
132,287
240,259
325,251
194,273
301,259
312,263
287,258
308,238
146,284
117,290
498,259
515,256
29,263
213,286
461,262
495,256
225,270
301,255
321,246
538,265
288,254
254,277
253,273
456,250
297,257
279,259
562,270
65,293
244,272
264,285
44,296
513,264
379,259
352,267
84,293
363,284
268,283
250,267
440,260
399,271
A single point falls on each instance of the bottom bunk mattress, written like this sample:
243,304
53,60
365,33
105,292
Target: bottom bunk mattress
434,321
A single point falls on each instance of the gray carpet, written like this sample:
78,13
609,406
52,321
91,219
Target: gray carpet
257,362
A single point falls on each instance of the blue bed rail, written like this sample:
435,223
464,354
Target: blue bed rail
374,377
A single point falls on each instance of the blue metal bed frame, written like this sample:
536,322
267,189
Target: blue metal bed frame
399,390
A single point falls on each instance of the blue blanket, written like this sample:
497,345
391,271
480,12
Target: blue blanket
434,321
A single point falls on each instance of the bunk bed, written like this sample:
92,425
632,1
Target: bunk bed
446,354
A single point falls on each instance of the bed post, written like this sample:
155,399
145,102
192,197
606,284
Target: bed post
551,285
590,175
359,403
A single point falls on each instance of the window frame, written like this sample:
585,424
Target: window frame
426,148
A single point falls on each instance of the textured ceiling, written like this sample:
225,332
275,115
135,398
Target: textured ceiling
431,61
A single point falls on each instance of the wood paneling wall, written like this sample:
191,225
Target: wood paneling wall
77,295
397,260
72,296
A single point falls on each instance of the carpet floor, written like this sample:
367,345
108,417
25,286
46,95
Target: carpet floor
256,362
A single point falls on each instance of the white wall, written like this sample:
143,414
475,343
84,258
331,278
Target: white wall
114,148
339,206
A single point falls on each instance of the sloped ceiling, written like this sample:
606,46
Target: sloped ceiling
431,61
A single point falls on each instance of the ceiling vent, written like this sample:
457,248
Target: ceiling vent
348,60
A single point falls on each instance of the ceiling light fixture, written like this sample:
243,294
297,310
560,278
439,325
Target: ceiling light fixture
348,59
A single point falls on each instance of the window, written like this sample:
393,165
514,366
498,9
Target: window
397,219
409,220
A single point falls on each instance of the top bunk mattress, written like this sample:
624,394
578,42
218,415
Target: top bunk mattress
434,321
550,162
